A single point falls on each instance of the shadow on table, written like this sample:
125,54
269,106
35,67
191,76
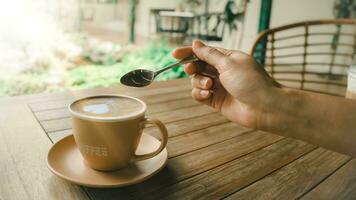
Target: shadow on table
54,190
139,191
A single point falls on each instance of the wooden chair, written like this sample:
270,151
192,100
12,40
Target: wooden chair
311,55
170,21
208,26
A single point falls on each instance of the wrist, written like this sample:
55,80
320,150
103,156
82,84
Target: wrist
282,106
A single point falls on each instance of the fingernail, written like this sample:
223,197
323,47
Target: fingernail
204,93
198,43
203,82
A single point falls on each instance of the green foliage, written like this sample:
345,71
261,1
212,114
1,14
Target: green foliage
154,56
231,16
26,83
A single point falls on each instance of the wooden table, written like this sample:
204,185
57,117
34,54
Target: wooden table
209,157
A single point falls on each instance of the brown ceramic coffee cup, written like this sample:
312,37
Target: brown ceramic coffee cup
107,130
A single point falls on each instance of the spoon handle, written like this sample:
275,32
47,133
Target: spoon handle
188,59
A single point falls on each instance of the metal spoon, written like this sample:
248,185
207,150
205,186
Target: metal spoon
144,77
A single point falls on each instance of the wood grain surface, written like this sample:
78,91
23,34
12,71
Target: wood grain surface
340,185
305,172
209,157
23,151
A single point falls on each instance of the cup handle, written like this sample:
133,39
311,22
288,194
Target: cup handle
164,135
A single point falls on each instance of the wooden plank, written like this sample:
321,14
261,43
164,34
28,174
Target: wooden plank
56,136
191,164
184,113
165,117
52,103
52,114
11,185
184,126
152,108
198,139
23,150
225,179
171,105
42,97
183,92
174,128
293,180
56,125
201,138
340,185
164,97
179,145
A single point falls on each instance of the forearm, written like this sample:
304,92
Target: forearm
323,120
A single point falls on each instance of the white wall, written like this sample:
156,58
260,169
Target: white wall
283,12
289,11
250,25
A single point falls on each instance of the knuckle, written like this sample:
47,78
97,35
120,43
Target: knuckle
198,77
228,53
211,51
209,83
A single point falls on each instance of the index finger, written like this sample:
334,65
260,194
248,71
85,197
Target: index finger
182,52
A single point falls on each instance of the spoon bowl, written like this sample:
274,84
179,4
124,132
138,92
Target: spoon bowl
138,78
144,77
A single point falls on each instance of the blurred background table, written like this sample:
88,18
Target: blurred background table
209,157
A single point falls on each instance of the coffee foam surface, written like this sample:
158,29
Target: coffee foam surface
107,106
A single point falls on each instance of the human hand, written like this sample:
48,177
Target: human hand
231,82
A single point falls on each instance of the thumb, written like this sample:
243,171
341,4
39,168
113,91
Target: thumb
211,55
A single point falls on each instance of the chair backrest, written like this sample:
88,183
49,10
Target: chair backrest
311,55
170,21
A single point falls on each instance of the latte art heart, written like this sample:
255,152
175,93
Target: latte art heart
107,106
96,108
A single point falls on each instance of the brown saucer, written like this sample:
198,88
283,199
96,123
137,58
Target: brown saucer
65,160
